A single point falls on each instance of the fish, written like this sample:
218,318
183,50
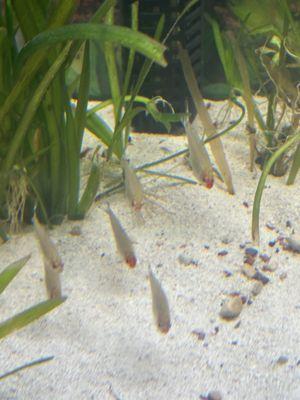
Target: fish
199,159
123,241
160,305
133,188
52,281
47,246
53,264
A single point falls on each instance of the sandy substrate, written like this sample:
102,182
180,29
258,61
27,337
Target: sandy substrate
103,339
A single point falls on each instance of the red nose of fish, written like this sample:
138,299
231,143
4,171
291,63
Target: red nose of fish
131,261
209,183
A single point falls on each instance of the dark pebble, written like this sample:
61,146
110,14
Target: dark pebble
227,273
282,360
214,395
249,260
76,230
288,224
251,251
246,204
200,334
223,253
242,245
272,243
261,277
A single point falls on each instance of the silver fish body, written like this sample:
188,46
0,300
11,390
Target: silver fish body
123,241
133,187
53,264
160,305
47,246
199,159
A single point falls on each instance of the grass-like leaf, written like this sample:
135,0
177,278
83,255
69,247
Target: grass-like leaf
89,193
32,107
8,274
101,32
261,184
29,315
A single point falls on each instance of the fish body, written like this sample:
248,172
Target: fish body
160,305
52,281
47,246
123,241
53,264
133,187
199,158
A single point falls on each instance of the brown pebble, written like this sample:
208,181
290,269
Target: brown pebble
282,360
283,276
200,334
269,268
214,395
246,204
257,288
75,231
222,253
272,243
231,309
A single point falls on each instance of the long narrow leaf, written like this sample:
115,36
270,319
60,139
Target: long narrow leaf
89,193
31,109
261,185
295,167
62,13
103,33
29,315
8,274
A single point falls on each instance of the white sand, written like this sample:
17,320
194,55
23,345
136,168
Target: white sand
103,337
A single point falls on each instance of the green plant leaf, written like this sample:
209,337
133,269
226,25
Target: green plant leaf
103,33
89,193
8,274
295,167
261,184
29,315
31,109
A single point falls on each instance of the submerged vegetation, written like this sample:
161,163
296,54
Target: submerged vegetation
42,125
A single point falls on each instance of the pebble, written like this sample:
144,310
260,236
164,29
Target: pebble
282,360
76,230
214,395
232,308
200,334
265,257
272,243
293,244
251,251
269,268
248,270
185,260
261,277
270,226
222,253
283,276
257,288
227,273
